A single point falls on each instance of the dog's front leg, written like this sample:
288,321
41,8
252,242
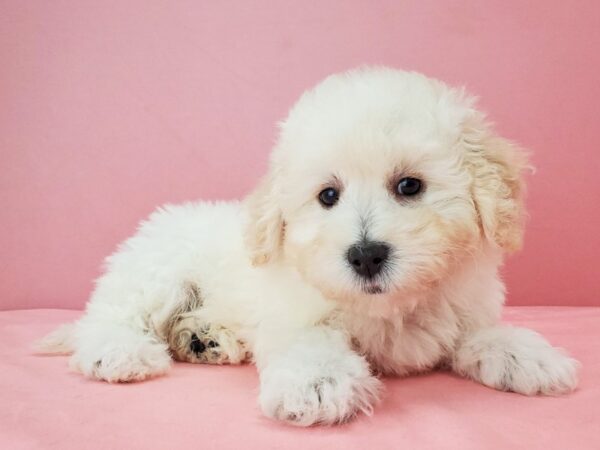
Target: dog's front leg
515,359
312,376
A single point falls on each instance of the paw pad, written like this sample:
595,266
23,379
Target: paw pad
196,345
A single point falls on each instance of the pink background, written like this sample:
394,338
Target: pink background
111,108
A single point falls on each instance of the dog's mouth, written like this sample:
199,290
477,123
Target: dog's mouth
373,289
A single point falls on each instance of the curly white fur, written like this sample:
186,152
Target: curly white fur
272,271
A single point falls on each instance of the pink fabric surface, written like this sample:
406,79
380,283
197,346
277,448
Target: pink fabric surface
111,108
206,407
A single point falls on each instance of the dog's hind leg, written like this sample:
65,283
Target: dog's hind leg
194,339
116,352
118,339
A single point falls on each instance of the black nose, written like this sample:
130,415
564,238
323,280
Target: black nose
367,258
196,345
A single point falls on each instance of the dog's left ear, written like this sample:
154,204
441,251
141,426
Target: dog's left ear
497,167
265,226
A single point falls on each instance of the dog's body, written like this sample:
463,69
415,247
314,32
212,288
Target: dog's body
372,246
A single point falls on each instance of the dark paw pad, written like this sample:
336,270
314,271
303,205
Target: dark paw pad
196,345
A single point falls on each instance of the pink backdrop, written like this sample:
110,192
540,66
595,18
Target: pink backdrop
111,108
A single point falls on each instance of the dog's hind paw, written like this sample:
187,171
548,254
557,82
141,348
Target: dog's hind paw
121,361
192,340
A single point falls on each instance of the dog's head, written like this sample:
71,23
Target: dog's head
383,181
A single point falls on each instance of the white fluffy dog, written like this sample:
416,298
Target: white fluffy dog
372,246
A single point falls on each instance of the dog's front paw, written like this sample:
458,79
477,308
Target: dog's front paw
306,393
518,360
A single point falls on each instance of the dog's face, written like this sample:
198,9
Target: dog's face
383,181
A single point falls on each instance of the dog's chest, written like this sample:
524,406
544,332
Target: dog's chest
400,341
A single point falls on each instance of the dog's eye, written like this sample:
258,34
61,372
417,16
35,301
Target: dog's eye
409,186
328,197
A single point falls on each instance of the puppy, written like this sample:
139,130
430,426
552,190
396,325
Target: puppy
372,246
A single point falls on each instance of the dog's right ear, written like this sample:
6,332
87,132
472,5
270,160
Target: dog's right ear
265,225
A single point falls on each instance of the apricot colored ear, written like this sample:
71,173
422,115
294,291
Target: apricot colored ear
264,229
497,167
